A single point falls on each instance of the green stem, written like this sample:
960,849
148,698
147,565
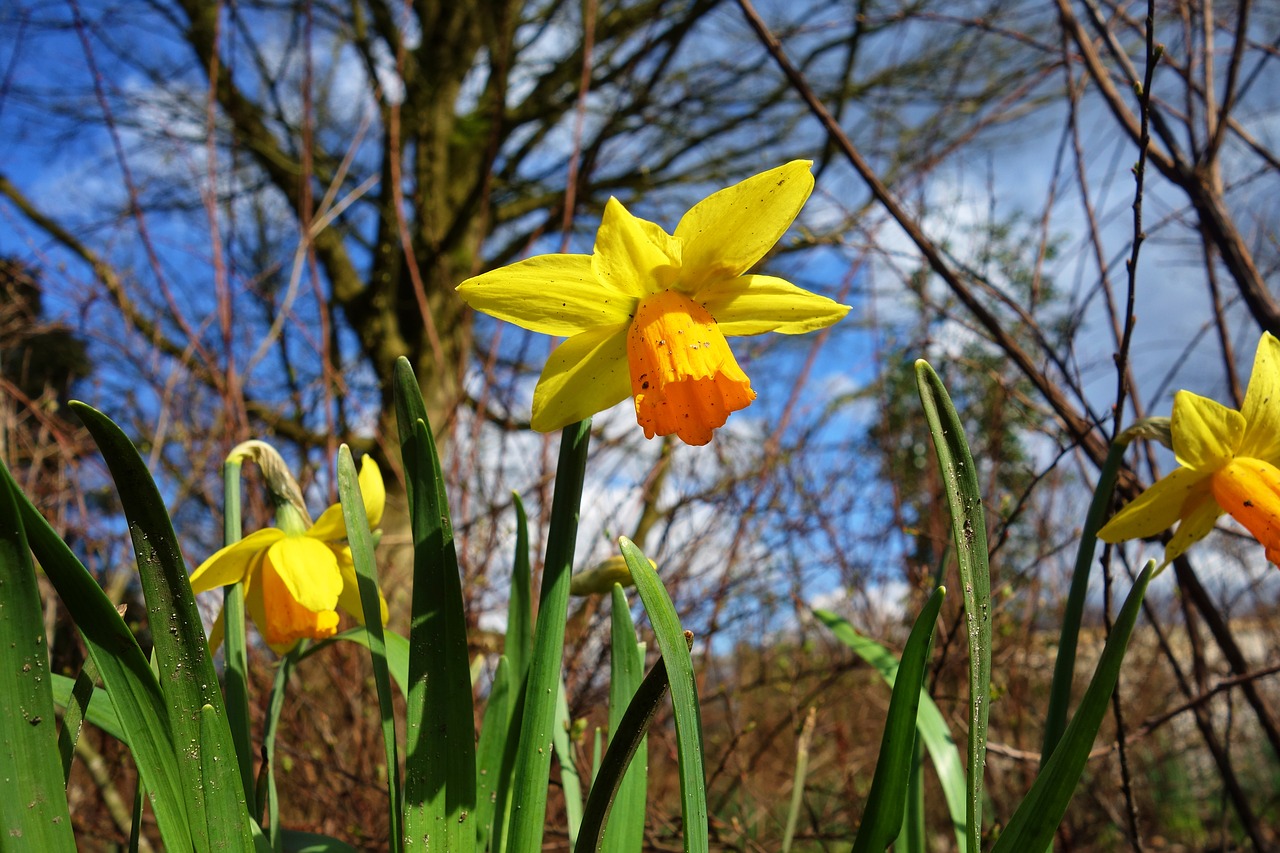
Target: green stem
275,704
236,670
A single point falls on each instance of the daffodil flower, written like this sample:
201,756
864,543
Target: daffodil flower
295,576
647,312
1228,464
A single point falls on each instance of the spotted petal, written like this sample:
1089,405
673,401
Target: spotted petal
727,233
633,255
549,294
754,304
586,374
1261,407
1206,434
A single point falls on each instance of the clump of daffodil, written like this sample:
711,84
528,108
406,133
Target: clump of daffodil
1227,462
647,312
297,574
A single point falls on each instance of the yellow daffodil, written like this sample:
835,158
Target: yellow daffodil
1228,464
647,312
295,577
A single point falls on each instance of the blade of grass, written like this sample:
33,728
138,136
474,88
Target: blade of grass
34,806
622,748
124,669
533,759
360,541
797,780
932,726
493,732
570,780
1064,666
440,762
75,705
887,800
207,768
969,532
625,830
1036,820
684,695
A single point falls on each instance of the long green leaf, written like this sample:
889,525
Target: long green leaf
625,830
440,764
887,799
74,710
533,760
208,767
235,643
684,695
124,669
932,726
34,805
395,648
310,842
570,780
624,744
493,735
519,639
969,532
1036,820
361,542
99,710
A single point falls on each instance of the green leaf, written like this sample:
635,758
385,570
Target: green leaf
124,669
519,638
360,540
684,695
440,765
798,778
931,725
570,781
625,830
623,746
493,737
99,710
1036,820
210,778
887,800
533,759
969,532
34,804
310,842
235,645
74,709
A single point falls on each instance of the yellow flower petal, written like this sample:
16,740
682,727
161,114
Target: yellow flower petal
753,304
288,619
684,377
1249,489
233,563
1198,521
1206,434
550,294
373,490
331,526
308,570
257,611
727,233
349,598
633,255
1157,508
1261,409
584,375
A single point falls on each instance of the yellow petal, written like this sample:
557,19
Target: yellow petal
1206,434
1261,407
330,526
349,598
234,562
727,233
257,611
752,304
632,255
308,570
550,294
216,631
585,374
1157,508
1198,521
288,619
373,490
